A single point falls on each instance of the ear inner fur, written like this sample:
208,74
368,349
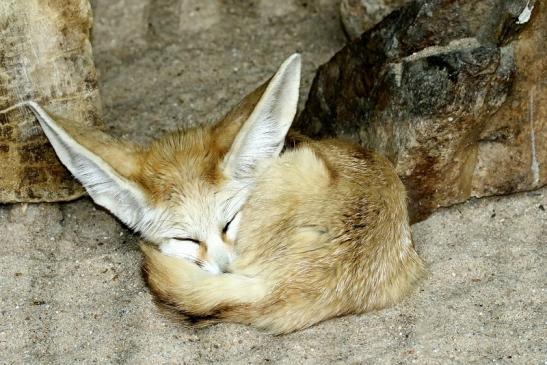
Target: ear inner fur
75,148
121,156
262,135
227,128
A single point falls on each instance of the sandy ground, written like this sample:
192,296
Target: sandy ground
70,285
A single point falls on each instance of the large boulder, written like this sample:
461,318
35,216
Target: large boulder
452,92
45,55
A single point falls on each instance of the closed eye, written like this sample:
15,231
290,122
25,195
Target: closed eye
225,229
186,239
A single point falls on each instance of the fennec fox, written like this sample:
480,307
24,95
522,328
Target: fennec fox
253,226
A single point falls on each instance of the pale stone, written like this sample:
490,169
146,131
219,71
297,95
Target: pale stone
45,55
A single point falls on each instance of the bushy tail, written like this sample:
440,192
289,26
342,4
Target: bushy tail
204,298
201,297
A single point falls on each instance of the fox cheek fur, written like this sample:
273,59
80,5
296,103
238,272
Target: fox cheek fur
249,233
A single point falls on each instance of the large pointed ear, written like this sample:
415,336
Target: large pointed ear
101,163
262,134
227,128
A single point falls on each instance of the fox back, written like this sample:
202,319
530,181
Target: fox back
243,223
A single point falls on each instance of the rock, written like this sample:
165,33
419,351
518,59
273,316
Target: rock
512,148
45,55
451,92
359,16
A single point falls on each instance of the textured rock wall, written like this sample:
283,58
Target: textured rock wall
45,55
453,93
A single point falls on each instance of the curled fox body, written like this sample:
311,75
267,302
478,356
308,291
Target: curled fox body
244,224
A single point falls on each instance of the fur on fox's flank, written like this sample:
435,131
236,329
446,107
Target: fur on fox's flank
245,224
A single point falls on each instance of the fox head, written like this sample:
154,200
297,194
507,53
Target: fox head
184,192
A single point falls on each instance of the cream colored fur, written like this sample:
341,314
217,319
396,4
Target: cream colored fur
247,232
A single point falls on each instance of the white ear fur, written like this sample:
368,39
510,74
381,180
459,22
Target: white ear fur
263,134
105,186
